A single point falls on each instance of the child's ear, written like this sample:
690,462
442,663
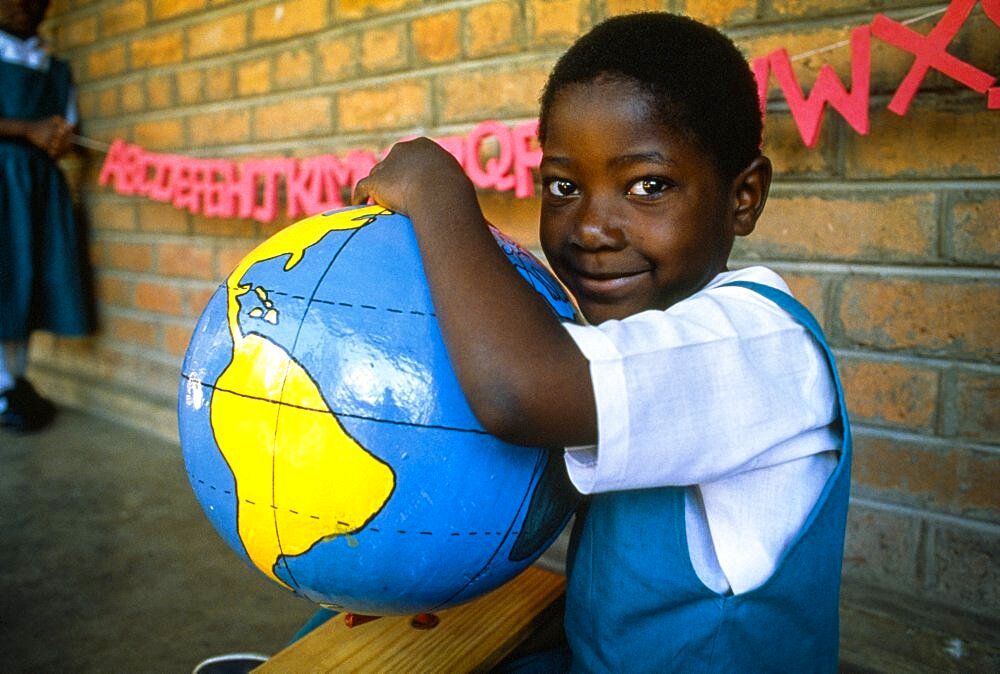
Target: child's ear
750,190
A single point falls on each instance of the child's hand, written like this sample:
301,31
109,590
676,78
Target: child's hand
416,175
52,135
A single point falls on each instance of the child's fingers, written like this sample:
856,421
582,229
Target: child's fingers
361,193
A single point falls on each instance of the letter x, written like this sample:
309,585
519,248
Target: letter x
930,52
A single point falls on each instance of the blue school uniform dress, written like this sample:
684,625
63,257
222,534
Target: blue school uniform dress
41,280
635,603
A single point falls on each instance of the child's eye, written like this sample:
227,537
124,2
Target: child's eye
561,188
648,187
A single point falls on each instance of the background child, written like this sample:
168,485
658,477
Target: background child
40,263
699,405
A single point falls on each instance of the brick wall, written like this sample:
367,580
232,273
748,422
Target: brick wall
891,238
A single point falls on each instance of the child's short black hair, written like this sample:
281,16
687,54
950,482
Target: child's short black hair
697,77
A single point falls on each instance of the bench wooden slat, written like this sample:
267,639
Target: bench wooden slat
472,637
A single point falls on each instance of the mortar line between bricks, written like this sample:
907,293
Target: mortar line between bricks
792,185
956,521
929,440
896,271
916,359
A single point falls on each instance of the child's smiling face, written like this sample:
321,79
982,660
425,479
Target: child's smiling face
635,215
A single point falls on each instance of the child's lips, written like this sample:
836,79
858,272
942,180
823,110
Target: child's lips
610,284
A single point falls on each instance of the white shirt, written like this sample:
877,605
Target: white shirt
725,394
30,54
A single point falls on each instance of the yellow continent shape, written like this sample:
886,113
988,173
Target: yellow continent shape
300,477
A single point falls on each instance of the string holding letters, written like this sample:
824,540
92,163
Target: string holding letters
853,104
502,158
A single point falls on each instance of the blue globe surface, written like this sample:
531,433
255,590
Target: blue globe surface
326,436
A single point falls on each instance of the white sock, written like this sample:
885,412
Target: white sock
13,362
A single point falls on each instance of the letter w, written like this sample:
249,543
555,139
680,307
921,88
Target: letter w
853,105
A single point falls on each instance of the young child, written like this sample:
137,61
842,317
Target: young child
40,263
698,406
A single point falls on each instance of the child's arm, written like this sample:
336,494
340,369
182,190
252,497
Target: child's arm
522,374
51,135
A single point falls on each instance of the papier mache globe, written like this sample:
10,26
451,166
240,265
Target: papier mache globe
328,441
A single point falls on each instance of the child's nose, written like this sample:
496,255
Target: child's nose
598,228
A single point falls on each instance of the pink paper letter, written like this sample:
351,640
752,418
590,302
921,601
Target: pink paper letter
808,112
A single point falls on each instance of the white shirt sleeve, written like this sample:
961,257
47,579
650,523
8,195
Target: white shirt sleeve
721,383
727,395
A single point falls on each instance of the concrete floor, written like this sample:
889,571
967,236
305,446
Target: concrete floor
107,563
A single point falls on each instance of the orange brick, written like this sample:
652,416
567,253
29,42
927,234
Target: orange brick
123,17
219,84
190,84
979,474
293,68
218,36
184,260
888,393
926,143
978,406
338,58
132,330
383,48
176,338
789,8
908,473
133,96
790,156
159,297
868,226
220,127
87,104
950,318
718,12
617,7
105,62
127,256
167,9
108,102
197,299
227,227
114,291
975,221
228,256
474,96
158,50
162,134
391,106
293,117
159,92
811,291
881,547
77,33
436,37
358,9
162,218
492,29
113,215
286,19
557,21
253,77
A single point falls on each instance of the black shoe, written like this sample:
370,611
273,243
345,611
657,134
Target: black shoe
22,409
231,663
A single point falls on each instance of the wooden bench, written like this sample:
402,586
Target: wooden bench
472,637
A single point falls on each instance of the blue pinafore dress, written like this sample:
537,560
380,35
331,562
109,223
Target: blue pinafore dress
635,603
42,285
